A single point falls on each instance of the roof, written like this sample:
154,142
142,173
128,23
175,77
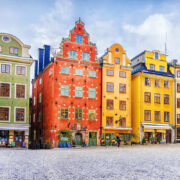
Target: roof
142,68
138,55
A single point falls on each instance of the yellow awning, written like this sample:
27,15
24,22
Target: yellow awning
148,130
161,131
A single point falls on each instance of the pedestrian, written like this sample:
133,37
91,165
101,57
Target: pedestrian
118,141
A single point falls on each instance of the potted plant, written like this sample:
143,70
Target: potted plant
144,141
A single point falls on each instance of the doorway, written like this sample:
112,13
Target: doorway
19,138
92,138
168,136
78,139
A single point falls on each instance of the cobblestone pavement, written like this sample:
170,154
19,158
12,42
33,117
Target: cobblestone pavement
127,162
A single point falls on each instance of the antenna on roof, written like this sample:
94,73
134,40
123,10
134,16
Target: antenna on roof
166,44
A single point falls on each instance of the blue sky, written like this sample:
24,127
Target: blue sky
136,24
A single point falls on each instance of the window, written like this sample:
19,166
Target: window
34,86
117,60
122,122
166,84
92,74
13,50
161,68
79,72
79,39
78,113
39,119
20,114
109,104
40,81
122,88
147,115
4,114
178,73
92,93
147,97
157,115
39,97
91,114
156,55
122,74
157,83
20,70
78,91
64,113
178,118
20,91
34,117
72,54
178,102
34,100
110,73
178,87
147,81
117,50
85,56
166,99
5,68
110,87
122,105
166,116
157,99
6,39
64,90
109,121
50,72
64,70
4,90
152,67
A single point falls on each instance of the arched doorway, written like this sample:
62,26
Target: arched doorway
78,139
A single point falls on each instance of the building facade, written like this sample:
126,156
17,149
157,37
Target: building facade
152,98
116,95
67,93
15,63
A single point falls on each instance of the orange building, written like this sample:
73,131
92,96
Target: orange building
67,93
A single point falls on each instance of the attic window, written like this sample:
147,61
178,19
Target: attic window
156,55
6,39
117,50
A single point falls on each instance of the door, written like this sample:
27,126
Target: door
92,138
168,136
78,139
18,138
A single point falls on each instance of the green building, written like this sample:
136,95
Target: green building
15,63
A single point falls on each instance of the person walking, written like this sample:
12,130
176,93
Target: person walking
118,141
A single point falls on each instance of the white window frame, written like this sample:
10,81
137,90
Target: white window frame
15,91
78,70
34,117
9,69
9,113
34,101
9,92
22,66
92,74
40,98
24,114
93,92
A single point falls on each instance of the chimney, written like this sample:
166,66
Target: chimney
46,55
41,53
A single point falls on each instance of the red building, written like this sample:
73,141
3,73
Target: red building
66,98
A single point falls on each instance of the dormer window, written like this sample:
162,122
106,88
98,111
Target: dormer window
156,55
85,56
72,54
6,39
13,50
161,68
152,67
79,39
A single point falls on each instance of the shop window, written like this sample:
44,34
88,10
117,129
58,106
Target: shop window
178,118
117,60
147,97
166,99
157,98
157,83
122,88
79,72
122,105
157,115
21,70
4,90
79,38
20,114
110,87
110,72
92,93
178,74
85,56
122,122
64,70
5,68
166,84
20,91
91,114
13,50
64,113
147,82
178,102
122,74
4,113
72,54
109,121
64,90
178,87
161,68
39,97
78,91
147,115
166,116
109,104
4,136
92,74
78,113
152,67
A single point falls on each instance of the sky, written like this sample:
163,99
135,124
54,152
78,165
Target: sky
137,25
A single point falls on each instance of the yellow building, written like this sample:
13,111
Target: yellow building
116,95
152,98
